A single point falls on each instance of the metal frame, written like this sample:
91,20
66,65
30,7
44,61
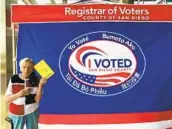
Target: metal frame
14,50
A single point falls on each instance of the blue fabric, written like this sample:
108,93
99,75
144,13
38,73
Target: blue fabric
31,121
50,41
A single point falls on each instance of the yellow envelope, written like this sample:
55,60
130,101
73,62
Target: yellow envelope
44,69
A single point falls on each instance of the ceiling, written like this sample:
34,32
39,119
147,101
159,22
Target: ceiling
48,2
9,2
30,2
40,1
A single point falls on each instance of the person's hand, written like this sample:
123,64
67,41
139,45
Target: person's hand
43,81
24,91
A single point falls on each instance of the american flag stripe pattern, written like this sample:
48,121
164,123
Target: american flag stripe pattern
101,80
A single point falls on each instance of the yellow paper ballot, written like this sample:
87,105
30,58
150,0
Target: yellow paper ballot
44,69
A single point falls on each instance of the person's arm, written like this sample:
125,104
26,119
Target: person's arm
9,96
39,90
21,93
12,97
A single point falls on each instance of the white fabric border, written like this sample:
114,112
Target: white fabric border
149,125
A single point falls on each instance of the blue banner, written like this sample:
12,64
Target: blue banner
102,67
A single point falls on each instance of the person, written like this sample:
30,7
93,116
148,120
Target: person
23,95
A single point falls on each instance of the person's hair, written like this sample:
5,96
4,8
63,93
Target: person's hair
25,60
